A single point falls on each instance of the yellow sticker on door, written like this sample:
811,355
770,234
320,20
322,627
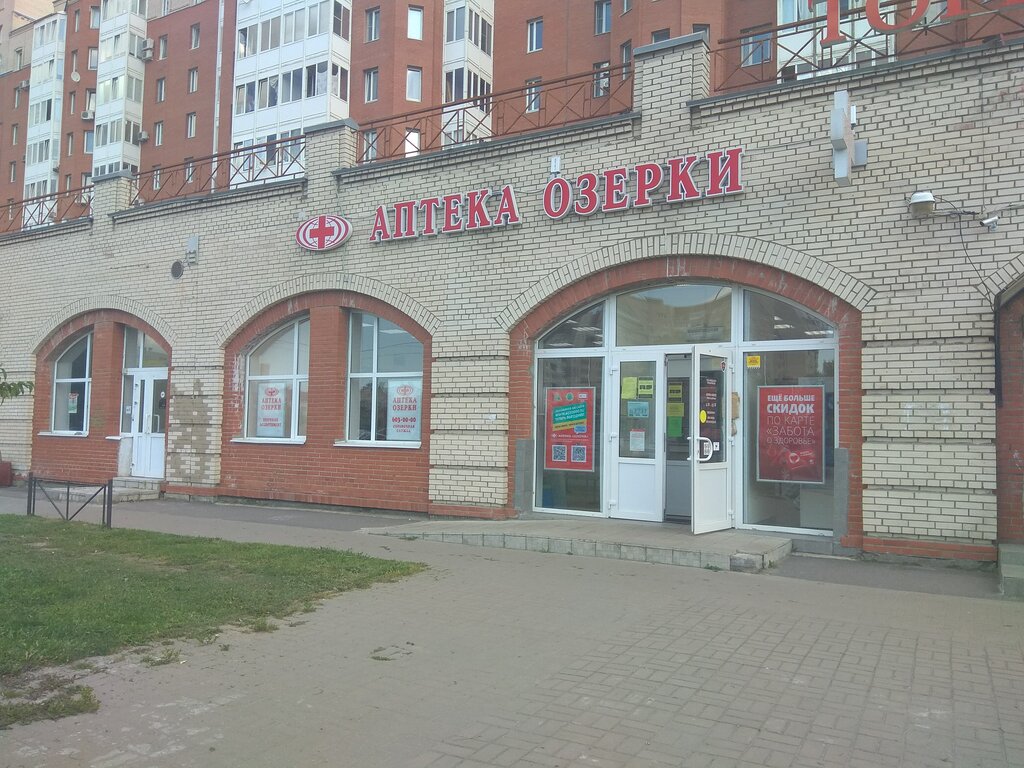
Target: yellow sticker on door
703,416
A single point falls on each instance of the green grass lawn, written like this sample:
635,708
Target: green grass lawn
69,590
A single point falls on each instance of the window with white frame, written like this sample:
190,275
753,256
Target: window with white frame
411,144
193,79
602,17
626,57
534,35
533,95
158,134
414,84
373,24
161,89
72,380
277,382
602,79
385,381
371,82
190,125
194,36
369,145
455,24
342,20
415,25
756,49
627,6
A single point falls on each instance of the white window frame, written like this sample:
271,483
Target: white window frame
414,30
370,137
295,378
371,85
532,95
190,125
193,79
535,35
372,24
602,17
158,133
87,380
756,49
194,36
414,84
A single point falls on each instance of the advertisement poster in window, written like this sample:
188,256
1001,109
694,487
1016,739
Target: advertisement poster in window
791,434
569,432
404,399
270,409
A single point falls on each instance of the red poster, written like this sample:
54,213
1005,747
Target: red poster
569,429
791,434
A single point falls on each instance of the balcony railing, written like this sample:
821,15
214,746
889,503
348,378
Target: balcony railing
46,210
772,54
242,167
540,105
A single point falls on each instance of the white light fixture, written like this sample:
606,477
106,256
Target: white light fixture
922,204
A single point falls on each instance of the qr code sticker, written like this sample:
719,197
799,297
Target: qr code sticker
579,454
558,453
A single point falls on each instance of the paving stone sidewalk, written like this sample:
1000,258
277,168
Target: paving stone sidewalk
508,658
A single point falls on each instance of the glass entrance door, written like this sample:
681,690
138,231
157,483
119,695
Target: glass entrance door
636,441
146,421
678,463
711,429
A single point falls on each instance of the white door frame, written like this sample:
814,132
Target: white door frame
645,499
712,485
149,440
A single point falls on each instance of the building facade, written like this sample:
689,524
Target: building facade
691,310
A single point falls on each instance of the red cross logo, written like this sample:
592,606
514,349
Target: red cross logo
321,233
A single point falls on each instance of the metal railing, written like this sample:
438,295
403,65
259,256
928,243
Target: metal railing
46,210
540,105
104,491
248,166
772,54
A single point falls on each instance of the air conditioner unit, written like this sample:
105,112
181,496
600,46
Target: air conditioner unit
143,136
147,54
22,86
88,114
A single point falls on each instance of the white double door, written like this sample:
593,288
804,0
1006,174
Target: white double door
145,419
669,437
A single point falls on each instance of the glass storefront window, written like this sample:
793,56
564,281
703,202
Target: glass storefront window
277,382
140,351
585,329
570,489
790,439
72,377
771,319
674,314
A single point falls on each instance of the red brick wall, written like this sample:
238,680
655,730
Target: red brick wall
674,268
91,457
1010,423
318,471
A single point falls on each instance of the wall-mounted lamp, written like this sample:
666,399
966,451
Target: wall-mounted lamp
922,204
556,166
991,222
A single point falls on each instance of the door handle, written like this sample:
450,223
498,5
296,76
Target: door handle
702,441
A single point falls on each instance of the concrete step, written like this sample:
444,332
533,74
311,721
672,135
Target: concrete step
1011,581
82,493
666,544
1011,554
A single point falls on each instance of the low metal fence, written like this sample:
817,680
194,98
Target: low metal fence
46,210
50,490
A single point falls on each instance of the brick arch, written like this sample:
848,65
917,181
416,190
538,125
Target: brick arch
700,247
669,269
139,315
335,281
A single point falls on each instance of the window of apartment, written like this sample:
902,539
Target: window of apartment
86,180
339,81
660,35
291,86
158,134
94,58
194,36
627,6
481,33
316,79
190,125
602,17
342,20
90,99
133,89
277,384
293,27
414,84
534,35
87,143
70,141
161,89
371,81
602,79
756,49
71,102
247,40
162,47
14,135
385,379
369,145
415,23
455,24
94,17
190,170
626,57
373,24
318,19
193,80
155,178
72,379
533,95
14,171
454,85
703,29
67,182
245,98
74,61
411,144
270,34
267,92
17,98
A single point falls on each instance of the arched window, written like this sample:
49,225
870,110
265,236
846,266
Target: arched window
277,383
72,379
385,382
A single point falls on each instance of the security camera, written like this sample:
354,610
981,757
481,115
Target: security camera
990,222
